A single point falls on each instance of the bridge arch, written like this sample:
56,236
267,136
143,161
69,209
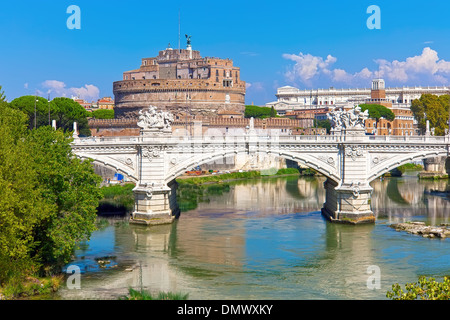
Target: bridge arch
305,159
399,160
111,164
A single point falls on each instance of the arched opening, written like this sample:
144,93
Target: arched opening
323,168
398,161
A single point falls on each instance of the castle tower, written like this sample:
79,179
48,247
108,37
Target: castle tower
378,89
181,81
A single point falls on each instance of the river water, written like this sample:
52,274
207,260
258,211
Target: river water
266,239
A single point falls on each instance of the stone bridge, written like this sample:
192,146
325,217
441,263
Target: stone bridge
349,159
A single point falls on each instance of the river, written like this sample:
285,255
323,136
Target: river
266,239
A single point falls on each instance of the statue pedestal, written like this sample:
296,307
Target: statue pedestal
156,132
347,203
355,133
155,205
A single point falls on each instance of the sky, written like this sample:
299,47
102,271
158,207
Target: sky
305,44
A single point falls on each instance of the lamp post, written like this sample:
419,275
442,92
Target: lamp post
35,100
49,121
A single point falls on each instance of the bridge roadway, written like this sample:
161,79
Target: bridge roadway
349,161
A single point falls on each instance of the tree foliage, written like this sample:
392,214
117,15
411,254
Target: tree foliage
28,105
65,111
433,108
71,187
48,197
424,289
2,95
377,111
21,207
259,112
102,114
324,123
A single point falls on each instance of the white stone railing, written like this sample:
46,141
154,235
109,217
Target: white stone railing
268,138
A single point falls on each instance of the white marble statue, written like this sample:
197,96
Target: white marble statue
153,119
352,119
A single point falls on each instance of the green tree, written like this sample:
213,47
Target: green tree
2,95
72,187
66,111
259,112
424,289
33,107
21,203
433,108
325,123
102,114
377,111
48,197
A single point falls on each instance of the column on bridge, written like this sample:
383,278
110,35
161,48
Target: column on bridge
348,203
349,200
155,201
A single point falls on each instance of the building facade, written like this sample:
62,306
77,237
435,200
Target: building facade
403,124
291,99
181,80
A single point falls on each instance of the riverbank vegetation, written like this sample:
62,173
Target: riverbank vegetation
48,203
225,177
146,295
117,198
399,171
424,289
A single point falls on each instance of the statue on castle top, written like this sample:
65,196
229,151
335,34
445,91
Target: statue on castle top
153,119
188,39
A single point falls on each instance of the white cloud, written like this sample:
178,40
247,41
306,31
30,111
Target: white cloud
25,85
58,88
421,69
426,66
307,66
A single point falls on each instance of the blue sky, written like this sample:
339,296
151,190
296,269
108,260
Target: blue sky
306,44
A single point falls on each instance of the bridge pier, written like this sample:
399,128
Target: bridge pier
155,204
348,203
435,168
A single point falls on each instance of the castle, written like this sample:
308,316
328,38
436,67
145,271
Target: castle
180,80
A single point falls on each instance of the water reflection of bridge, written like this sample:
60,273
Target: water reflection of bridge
194,253
400,199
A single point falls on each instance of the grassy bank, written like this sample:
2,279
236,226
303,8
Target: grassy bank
18,288
399,171
243,175
117,198
145,295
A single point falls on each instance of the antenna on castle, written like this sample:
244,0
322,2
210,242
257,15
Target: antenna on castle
179,31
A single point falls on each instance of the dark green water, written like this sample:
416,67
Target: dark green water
266,239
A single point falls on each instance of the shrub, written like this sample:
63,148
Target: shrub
424,289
